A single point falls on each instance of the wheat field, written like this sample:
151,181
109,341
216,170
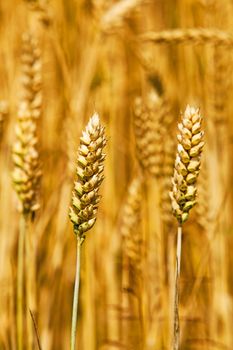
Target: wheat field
116,135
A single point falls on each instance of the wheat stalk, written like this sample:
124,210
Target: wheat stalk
27,173
189,35
132,259
85,197
26,177
183,195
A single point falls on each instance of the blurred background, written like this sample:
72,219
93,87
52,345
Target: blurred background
138,63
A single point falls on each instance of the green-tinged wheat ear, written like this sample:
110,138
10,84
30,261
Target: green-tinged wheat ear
148,132
187,164
26,173
89,171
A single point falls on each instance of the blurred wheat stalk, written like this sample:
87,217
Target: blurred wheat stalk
184,189
26,178
85,197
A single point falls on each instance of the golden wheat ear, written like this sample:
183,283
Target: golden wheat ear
26,174
31,74
187,164
183,194
86,197
131,218
26,179
90,168
147,128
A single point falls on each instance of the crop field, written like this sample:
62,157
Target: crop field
116,174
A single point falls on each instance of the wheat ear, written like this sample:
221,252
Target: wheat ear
131,217
189,35
148,132
27,173
187,165
85,197
31,75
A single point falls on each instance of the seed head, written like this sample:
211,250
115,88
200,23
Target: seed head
26,173
187,164
89,171
148,132
31,75
131,218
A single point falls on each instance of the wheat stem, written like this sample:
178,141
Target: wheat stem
20,278
30,284
76,295
176,335
36,330
85,197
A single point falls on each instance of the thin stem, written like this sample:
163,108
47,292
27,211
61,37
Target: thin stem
20,279
176,334
76,295
30,271
36,330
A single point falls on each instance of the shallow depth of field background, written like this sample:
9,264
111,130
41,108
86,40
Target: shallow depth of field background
94,59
